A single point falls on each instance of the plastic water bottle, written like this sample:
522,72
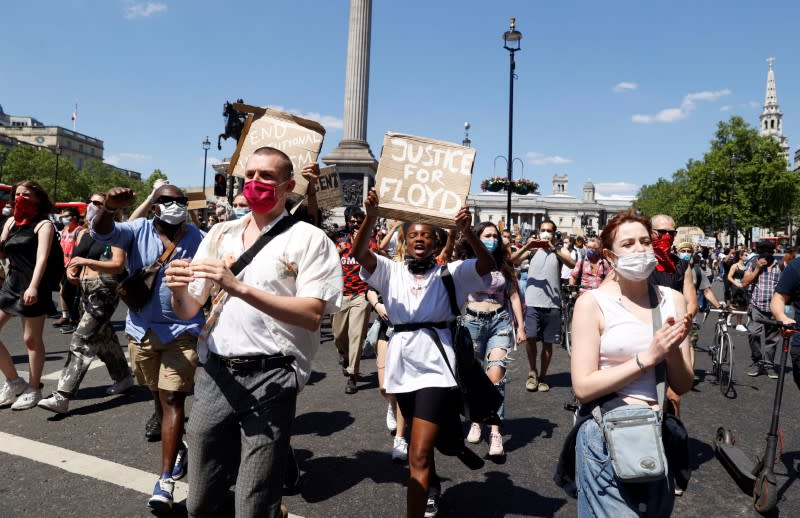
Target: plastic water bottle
789,310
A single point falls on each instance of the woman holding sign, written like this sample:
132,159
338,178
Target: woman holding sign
415,371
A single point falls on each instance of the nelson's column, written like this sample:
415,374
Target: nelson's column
352,157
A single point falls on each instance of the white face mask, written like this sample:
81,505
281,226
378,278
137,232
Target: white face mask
7,211
241,212
545,235
636,266
172,214
65,221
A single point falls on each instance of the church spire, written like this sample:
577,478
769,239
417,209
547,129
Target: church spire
771,122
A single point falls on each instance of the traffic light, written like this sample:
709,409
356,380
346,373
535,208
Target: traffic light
220,184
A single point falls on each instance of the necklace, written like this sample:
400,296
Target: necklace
420,282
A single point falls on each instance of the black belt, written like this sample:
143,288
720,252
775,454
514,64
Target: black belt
259,363
485,314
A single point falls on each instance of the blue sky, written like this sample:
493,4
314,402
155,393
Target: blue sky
619,93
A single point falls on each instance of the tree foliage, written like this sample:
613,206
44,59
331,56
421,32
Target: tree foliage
743,176
30,163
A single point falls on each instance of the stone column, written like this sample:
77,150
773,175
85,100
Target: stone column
353,159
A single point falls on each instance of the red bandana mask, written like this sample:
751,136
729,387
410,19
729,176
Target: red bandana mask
661,246
24,210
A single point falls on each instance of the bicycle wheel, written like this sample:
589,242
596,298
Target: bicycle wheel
725,364
568,329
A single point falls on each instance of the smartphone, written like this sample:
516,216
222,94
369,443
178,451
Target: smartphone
541,243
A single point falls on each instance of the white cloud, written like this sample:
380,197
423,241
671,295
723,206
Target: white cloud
118,158
754,104
688,104
613,188
624,86
725,108
328,121
143,9
540,159
214,161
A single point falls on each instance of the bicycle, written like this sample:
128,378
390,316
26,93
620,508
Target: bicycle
721,350
568,298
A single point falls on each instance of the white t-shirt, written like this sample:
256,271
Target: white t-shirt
413,360
300,262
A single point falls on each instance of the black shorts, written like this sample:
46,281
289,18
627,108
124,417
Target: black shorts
438,405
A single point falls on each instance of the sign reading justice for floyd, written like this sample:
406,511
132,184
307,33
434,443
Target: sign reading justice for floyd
301,139
422,179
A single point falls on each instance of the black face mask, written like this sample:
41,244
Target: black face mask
419,266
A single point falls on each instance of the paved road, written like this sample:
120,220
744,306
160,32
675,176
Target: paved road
343,447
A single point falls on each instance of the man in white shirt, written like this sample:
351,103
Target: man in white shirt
261,336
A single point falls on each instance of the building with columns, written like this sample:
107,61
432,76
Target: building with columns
585,215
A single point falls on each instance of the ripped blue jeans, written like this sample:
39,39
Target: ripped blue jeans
490,331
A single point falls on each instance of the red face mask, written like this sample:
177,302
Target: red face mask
661,246
24,210
261,196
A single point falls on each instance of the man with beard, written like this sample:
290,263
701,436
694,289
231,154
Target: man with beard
162,345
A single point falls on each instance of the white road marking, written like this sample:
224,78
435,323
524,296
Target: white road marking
53,376
88,465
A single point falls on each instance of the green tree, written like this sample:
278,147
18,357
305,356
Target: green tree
743,177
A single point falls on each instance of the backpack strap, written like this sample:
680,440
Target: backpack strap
450,286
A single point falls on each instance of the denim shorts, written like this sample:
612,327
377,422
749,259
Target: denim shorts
489,333
600,493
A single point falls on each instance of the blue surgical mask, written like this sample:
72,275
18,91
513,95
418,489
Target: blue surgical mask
490,244
685,256
591,253
241,212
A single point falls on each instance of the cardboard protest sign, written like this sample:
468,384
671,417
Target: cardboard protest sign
329,191
422,179
197,200
301,139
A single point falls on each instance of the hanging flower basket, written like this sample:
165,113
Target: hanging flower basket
494,184
524,186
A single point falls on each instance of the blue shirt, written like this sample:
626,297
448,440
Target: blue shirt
143,246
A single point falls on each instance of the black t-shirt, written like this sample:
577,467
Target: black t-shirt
671,280
789,284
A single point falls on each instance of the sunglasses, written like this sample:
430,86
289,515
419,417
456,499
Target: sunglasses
96,203
183,201
662,231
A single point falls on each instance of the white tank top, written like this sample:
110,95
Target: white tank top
625,335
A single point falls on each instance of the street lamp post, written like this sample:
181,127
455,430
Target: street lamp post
713,204
206,147
731,197
57,151
466,142
511,39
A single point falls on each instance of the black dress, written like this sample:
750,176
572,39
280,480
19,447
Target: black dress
20,249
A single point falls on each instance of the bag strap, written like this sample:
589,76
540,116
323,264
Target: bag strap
171,248
248,255
450,286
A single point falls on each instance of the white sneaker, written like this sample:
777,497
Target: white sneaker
741,328
120,386
728,321
55,403
496,445
27,399
400,449
10,391
474,435
391,418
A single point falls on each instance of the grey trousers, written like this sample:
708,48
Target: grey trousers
94,337
770,335
239,419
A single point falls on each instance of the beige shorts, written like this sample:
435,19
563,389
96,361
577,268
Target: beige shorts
167,366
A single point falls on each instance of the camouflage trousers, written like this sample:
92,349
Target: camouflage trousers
94,337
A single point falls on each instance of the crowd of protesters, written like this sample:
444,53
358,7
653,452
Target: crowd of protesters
241,338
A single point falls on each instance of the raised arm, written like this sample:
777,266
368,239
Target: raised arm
361,249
